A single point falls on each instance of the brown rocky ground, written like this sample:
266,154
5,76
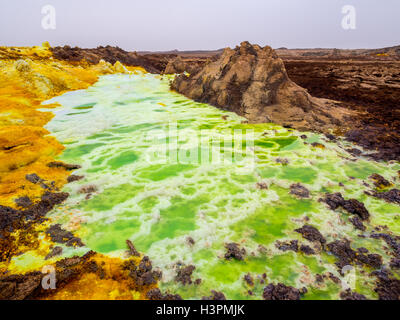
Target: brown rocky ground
252,81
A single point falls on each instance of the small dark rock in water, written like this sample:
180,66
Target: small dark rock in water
299,190
56,251
59,235
59,164
17,218
143,274
184,275
132,249
355,152
333,278
262,186
349,295
249,279
215,295
311,234
156,294
23,202
319,278
286,246
233,251
282,161
318,145
73,178
280,292
373,260
390,241
357,223
307,250
88,189
387,288
303,136
190,241
19,287
379,181
334,200
330,137
33,177
44,186
362,250
392,196
395,263
352,206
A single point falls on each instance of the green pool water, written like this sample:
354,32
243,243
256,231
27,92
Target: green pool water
167,168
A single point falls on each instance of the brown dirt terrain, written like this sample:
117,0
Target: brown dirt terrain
364,80
370,87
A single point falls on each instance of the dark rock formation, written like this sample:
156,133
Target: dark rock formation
387,287
249,279
176,65
347,256
143,275
59,235
392,196
184,275
352,206
379,181
132,249
23,202
307,249
311,234
73,178
156,294
357,223
350,295
293,245
56,251
111,55
280,292
59,164
392,241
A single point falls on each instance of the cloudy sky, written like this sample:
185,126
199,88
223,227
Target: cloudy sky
206,24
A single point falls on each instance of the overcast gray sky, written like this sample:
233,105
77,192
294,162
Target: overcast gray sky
201,24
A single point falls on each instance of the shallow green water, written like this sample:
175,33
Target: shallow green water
139,144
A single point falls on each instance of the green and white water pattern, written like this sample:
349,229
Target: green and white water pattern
118,131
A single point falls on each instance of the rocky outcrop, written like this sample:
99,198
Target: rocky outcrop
252,81
109,54
176,66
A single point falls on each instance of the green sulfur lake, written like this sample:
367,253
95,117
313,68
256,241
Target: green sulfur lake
181,179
